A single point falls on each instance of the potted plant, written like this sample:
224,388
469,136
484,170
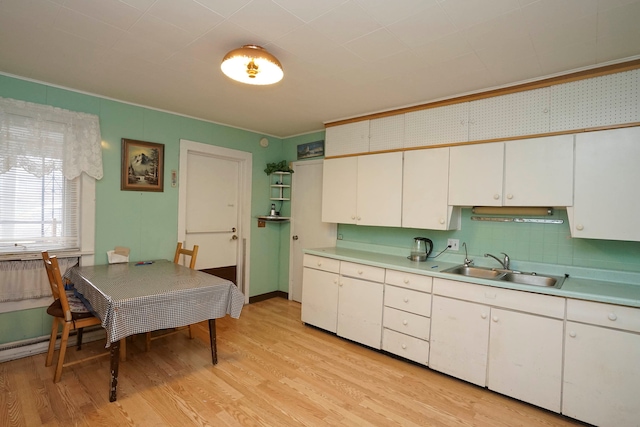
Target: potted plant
282,166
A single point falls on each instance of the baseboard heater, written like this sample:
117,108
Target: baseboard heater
25,348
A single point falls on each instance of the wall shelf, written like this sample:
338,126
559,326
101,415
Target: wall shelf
273,218
280,186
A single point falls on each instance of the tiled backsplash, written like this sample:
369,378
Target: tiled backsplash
540,243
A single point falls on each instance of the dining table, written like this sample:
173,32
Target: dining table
138,297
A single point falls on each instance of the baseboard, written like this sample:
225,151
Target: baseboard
269,295
26,348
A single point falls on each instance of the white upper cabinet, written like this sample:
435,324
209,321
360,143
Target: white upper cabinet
425,191
528,172
365,190
339,187
539,172
600,101
386,133
351,138
435,126
607,194
475,175
379,198
516,114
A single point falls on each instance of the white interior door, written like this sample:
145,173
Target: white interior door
214,209
307,228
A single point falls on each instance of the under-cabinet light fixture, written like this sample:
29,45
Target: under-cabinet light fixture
512,210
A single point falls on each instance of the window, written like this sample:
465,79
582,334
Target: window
43,154
39,212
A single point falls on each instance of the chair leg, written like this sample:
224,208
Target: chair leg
79,339
52,342
190,331
63,349
148,343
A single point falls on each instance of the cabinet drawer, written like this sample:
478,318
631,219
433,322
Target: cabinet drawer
321,263
407,300
361,271
608,315
405,346
407,323
544,305
409,280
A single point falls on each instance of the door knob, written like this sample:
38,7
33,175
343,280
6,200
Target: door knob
234,237
295,237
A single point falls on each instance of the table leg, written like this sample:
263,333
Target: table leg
212,338
115,362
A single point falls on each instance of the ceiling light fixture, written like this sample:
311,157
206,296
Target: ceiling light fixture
253,65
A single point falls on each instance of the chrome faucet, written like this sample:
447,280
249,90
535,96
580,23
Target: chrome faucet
467,261
504,262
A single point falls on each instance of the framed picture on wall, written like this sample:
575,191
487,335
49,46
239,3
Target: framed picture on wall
311,149
142,166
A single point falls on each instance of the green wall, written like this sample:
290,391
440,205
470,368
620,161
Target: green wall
147,222
545,243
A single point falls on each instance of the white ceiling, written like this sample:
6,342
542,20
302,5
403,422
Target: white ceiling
341,58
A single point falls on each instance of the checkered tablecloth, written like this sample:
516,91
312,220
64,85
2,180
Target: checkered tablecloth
132,299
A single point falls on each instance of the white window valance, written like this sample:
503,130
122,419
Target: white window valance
29,130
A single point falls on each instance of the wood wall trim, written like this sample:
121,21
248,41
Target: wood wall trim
485,141
552,81
268,295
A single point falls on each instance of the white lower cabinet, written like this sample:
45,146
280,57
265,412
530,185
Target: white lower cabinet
525,357
460,339
602,368
344,298
320,292
407,311
509,341
360,311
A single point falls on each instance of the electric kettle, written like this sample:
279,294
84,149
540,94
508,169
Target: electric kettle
421,249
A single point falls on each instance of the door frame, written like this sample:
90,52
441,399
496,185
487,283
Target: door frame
245,161
291,229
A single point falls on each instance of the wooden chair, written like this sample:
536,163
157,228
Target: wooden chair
70,312
193,253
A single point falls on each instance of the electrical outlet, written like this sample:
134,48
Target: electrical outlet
454,243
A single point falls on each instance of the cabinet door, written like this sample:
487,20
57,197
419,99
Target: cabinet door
601,375
339,186
521,113
386,133
320,299
539,172
459,339
475,175
425,191
434,126
525,357
351,138
379,193
607,194
360,311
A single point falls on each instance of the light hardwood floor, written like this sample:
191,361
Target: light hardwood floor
272,371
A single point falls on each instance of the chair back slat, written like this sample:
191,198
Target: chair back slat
193,253
52,283
55,280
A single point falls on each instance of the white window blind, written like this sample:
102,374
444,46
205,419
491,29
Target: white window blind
43,151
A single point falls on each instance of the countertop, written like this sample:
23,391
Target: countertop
586,284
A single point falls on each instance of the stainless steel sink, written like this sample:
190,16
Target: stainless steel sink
478,272
533,279
518,277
